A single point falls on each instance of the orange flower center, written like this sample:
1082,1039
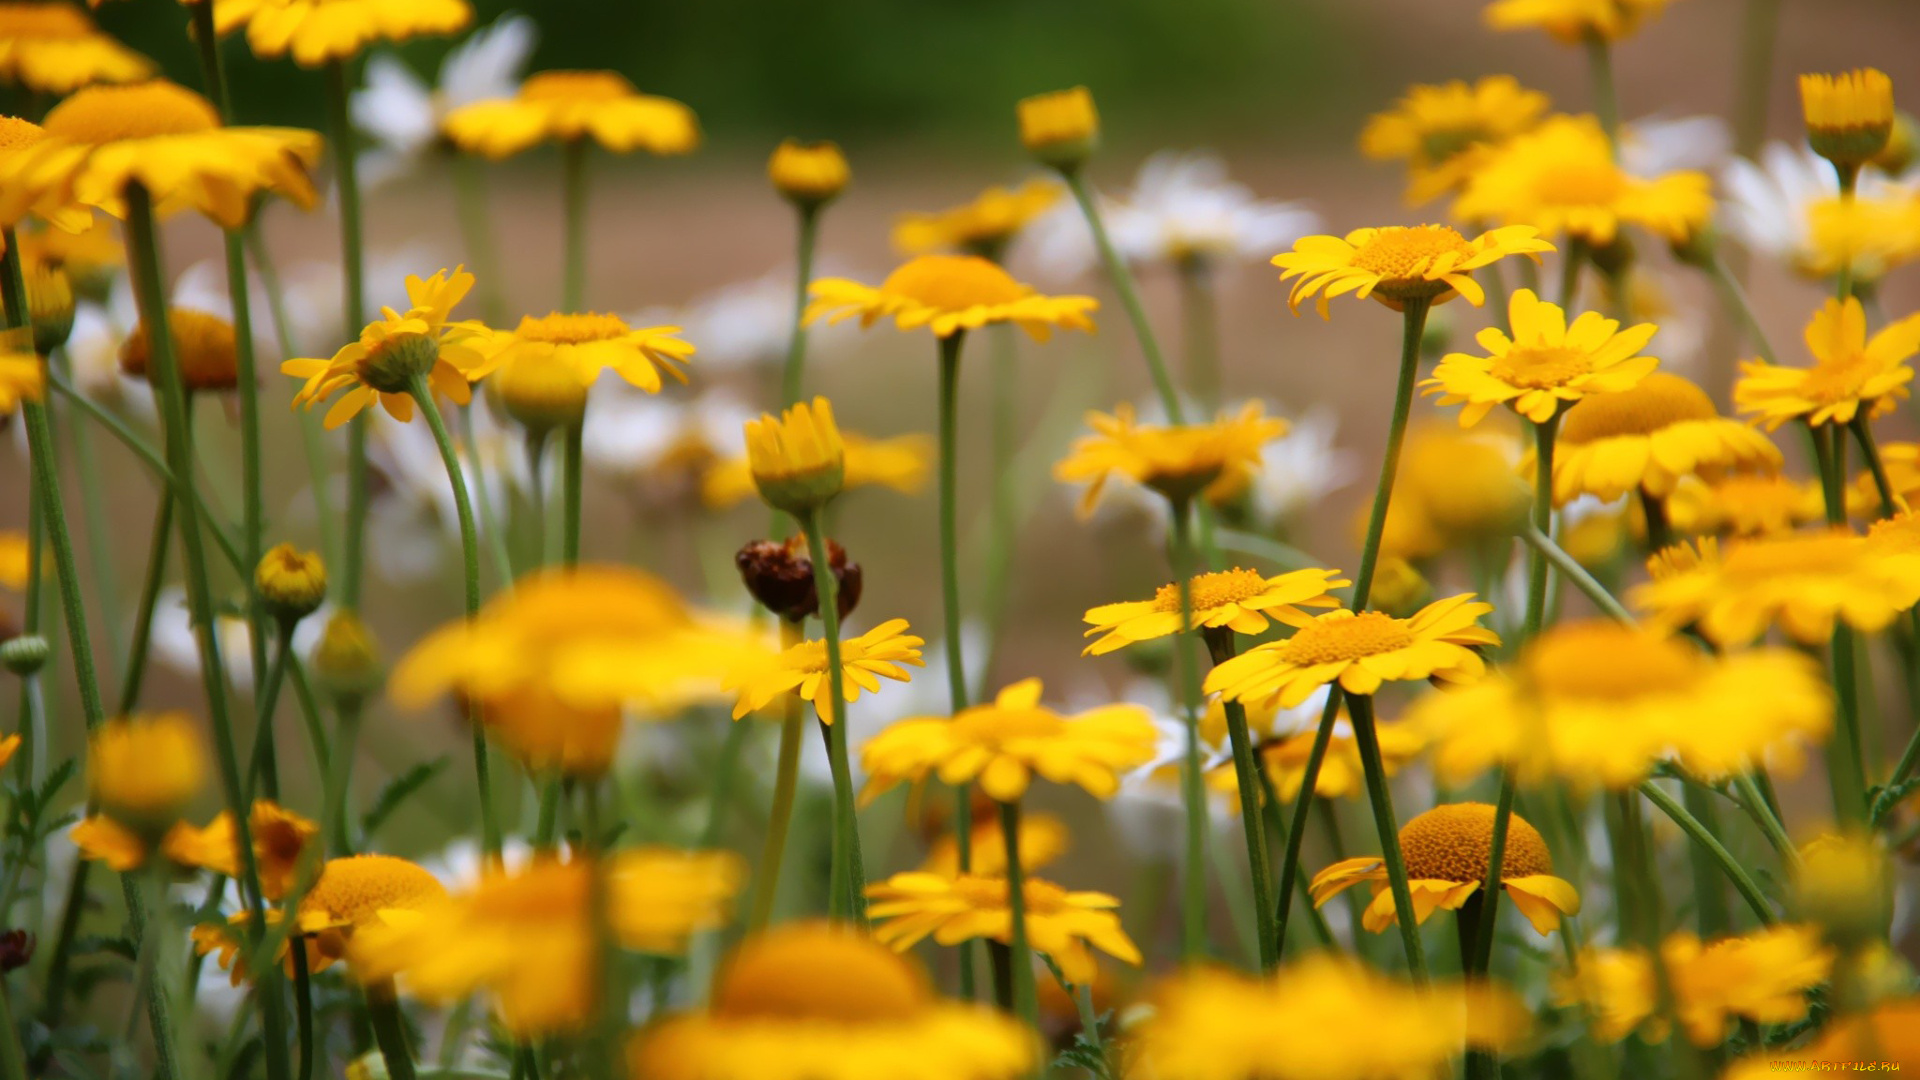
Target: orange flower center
564,329
1539,367
953,282
819,973
1452,842
105,114
1661,400
353,891
1333,641
1394,253
572,86
1608,662
1830,381
1213,590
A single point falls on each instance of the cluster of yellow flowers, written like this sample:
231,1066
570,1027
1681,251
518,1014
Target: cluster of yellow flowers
1606,598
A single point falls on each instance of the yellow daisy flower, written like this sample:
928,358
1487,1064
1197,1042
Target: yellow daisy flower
1562,179
1849,116
1751,504
1800,582
1888,1032
1326,1017
315,32
1850,372
1398,263
908,907
1763,977
164,137
54,48
809,174
391,353
1455,489
1239,600
1003,743
1648,438
280,837
772,1016
1557,715
1360,650
543,369
1870,234
1546,365
949,294
1213,460
982,227
570,106
1573,21
1446,851
798,459
901,463
802,670
1341,775
1043,839
23,374
1443,131
144,769
359,891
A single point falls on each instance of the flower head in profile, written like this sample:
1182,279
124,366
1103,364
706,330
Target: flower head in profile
1763,977
1213,460
1574,21
773,1017
1849,116
808,174
164,137
1800,582
1360,650
1061,924
1327,1016
1556,715
542,370
1442,132
901,463
316,32
1239,600
798,459
280,838
949,294
1648,438
1545,366
571,107
802,669
1851,375
1060,128
205,351
54,48
1399,263
392,354
983,226
1562,179
1446,851
23,374
1001,744
144,769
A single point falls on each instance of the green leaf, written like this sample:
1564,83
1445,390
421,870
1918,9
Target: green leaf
397,791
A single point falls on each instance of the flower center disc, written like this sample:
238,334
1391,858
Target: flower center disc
563,329
1213,590
1836,380
353,890
1403,252
575,86
1539,367
104,114
1605,662
1661,400
1332,641
953,282
1451,843
819,974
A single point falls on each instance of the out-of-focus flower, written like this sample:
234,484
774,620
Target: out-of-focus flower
1545,366
1648,438
177,646
1398,263
1060,128
1889,1032
1746,504
1763,976
280,837
1043,838
1214,460
1061,924
949,294
204,350
1443,131
1849,116
1788,208
1572,21
1852,375
1238,600
404,114
315,32
1653,146
1341,775
1455,489
901,463
983,227
572,106
1300,468
23,374
667,444
54,48
1361,651
142,770
808,174
1800,582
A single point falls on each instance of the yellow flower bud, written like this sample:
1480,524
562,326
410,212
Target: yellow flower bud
809,174
291,582
540,393
798,460
1398,588
1845,885
1894,158
145,769
1849,116
203,347
49,305
1061,128
347,659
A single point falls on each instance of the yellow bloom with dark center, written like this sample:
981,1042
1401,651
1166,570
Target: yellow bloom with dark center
1239,600
1341,775
909,907
797,459
1001,744
315,32
526,937
204,349
1596,702
1888,1032
1213,460
1398,263
570,107
949,294
1763,977
1446,851
1849,116
1043,839
23,374
1443,131
1748,504
1851,375
144,769
1360,651
280,837
396,350
542,370
54,48
982,227
1648,438
1060,128
164,137
1562,179
808,173
802,669
901,463
1802,583
1325,1017
1545,366
1573,21
773,1016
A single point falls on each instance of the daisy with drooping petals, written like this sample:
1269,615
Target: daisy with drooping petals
802,670
1239,600
1443,131
1801,582
1573,21
949,294
394,352
1213,460
1545,366
1398,263
1851,375
54,48
572,106
1001,745
909,907
773,1016
1558,715
316,32
1649,437
983,227
1446,851
1360,650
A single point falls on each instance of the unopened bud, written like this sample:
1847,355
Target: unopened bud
26,654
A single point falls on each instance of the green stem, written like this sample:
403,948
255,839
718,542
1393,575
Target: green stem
1413,325
1704,838
1606,101
1200,312
1845,769
1848,176
353,268
1735,298
1570,568
949,524
573,469
489,521
303,1009
846,825
339,767
152,975
470,556
312,437
476,233
1709,895
786,774
1025,999
1760,809
389,1029
1246,771
13,1059
1193,792
1863,434
792,372
263,765
1367,740
574,166
1004,512
1122,280
99,534
1270,800
253,511
1572,258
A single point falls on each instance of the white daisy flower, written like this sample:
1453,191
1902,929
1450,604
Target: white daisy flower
1302,467
403,113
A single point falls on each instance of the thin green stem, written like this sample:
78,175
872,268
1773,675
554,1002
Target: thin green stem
846,821
1570,568
99,535
1413,325
1026,1004
312,437
1123,284
1849,176
263,765
573,473
253,507
1246,771
1735,299
303,1010
476,234
346,739
1845,769
1863,434
949,525
1573,257
1704,838
1193,792
1200,315
1366,738
786,774
1709,895
489,521
792,373
1606,101
573,155
1760,809
353,269
389,1030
